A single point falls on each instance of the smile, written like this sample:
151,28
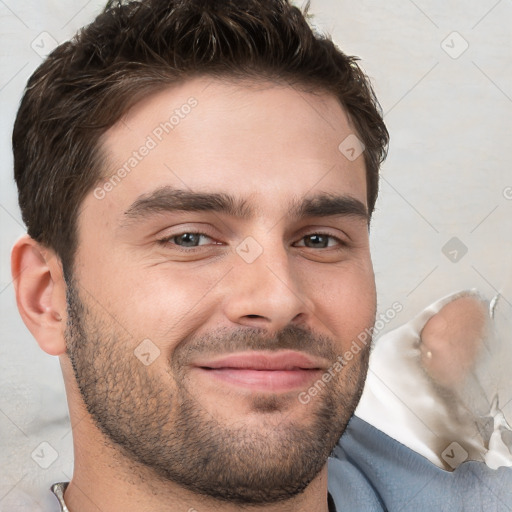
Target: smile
266,372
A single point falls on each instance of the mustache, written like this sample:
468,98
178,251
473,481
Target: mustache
241,339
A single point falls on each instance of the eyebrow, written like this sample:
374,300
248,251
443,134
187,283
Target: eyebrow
168,199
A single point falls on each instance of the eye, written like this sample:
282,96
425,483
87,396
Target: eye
319,241
188,239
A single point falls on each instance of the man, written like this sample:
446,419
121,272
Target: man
197,180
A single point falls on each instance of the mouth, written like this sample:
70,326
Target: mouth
279,372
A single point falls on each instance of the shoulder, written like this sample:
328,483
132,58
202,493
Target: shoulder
368,464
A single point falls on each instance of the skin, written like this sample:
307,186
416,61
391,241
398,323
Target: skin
270,146
452,339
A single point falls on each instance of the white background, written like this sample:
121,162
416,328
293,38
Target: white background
447,175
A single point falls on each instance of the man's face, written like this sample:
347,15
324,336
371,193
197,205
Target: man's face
217,280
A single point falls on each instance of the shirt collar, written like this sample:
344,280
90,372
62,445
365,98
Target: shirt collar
59,489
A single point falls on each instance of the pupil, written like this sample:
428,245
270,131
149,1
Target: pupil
316,240
188,239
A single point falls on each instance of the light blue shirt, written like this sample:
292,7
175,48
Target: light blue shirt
371,472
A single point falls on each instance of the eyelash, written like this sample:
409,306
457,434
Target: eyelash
167,240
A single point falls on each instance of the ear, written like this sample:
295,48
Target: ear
40,293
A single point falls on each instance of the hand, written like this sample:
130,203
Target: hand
452,339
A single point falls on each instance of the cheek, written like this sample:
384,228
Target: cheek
166,304
162,303
345,300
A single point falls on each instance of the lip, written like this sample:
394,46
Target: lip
263,371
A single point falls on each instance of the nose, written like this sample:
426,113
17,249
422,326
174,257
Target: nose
266,292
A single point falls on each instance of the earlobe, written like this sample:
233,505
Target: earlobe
40,293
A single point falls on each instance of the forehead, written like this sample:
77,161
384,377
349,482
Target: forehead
257,140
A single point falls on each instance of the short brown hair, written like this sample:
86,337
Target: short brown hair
134,48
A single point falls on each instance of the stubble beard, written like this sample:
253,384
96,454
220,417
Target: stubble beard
166,430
